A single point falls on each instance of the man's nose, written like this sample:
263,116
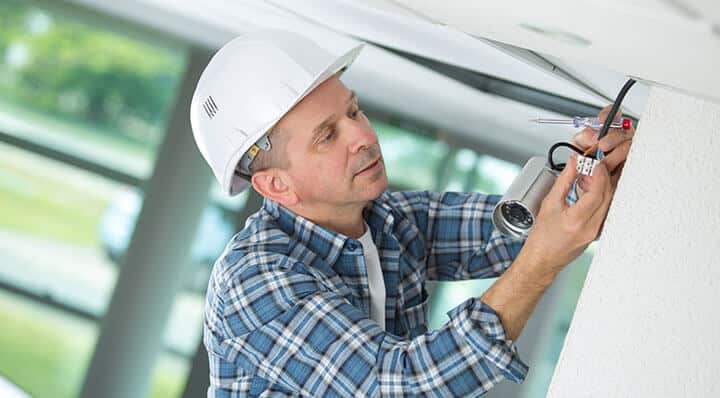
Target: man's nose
362,135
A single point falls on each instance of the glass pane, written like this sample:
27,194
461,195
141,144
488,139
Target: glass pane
52,252
214,231
412,160
87,92
459,174
169,374
493,175
448,294
50,217
44,351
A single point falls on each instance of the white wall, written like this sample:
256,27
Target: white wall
648,320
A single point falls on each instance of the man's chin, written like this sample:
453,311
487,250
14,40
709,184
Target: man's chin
376,187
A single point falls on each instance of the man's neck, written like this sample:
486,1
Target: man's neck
346,220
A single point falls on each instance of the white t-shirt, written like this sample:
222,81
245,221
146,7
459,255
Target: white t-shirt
375,278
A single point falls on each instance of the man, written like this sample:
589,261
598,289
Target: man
322,293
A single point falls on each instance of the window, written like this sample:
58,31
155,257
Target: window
84,91
82,114
412,160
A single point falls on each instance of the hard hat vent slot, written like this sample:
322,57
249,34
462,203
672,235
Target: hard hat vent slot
210,107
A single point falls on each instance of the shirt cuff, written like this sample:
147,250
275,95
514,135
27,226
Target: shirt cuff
485,333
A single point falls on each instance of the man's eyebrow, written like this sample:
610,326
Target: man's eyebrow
331,119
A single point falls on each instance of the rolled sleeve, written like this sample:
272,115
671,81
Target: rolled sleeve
484,331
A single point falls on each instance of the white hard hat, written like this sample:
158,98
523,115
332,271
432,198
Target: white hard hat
247,86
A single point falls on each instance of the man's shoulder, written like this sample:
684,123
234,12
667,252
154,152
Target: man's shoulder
260,234
260,244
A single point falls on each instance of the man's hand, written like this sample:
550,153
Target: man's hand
561,232
615,145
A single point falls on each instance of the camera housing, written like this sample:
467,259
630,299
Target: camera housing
515,213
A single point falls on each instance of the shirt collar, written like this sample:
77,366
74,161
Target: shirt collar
378,214
320,241
323,242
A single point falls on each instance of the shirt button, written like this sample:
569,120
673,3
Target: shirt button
352,246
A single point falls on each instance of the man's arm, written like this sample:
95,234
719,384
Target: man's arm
281,324
461,240
561,231
560,234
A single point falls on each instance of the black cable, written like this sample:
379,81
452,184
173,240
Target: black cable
616,106
560,166
603,131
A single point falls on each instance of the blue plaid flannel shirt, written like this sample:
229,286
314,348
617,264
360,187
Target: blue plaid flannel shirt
288,304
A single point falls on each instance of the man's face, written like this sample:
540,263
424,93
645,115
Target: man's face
334,154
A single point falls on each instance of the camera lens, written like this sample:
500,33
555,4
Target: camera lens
517,215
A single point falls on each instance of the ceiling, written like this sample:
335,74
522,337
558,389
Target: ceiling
561,47
669,42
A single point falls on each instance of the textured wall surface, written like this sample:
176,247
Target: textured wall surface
648,320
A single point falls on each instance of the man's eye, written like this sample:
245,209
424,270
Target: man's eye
356,113
329,136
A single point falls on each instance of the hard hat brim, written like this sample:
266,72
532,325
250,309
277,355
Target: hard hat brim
233,184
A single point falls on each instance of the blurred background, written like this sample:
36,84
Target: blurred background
88,94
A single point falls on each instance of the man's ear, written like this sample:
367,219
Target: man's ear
273,185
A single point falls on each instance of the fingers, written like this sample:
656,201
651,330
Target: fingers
597,221
617,156
615,176
614,138
584,183
563,183
585,138
597,191
591,150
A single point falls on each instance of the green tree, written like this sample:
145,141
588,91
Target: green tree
115,82
12,14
